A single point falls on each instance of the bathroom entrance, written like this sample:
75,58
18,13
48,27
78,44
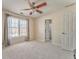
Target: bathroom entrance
48,32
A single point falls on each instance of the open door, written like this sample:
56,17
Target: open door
48,36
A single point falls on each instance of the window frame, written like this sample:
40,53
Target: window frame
27,26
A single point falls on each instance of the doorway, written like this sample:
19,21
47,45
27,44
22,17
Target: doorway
48,32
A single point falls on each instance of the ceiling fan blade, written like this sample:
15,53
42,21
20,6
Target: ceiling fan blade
30,4
37,1
27,9
41,5
39,11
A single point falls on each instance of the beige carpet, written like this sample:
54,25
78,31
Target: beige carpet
35,50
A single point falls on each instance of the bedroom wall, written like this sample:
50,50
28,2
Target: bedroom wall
57,25
20,39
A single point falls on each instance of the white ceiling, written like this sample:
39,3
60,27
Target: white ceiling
17,6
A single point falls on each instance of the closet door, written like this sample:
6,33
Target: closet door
68,39
65,32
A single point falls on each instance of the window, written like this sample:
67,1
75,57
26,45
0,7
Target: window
17,27
23,30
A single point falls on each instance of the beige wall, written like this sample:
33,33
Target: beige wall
57,25
31,27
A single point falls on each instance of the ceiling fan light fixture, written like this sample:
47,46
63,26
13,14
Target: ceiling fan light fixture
35,8
30,13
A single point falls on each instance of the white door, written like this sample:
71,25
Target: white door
68,31
65,32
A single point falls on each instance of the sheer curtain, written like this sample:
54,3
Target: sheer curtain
17,28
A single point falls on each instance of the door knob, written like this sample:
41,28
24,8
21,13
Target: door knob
63,33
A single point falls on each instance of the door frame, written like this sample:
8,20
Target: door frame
45,29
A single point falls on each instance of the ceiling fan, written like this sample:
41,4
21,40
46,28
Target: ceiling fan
35,8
